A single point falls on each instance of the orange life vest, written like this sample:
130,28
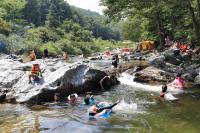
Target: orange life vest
183,47
35,69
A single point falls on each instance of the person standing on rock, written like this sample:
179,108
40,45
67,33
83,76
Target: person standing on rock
35,72
33,56
46,53
116,61
65,56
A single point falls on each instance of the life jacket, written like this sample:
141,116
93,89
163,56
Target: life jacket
183,47
35,69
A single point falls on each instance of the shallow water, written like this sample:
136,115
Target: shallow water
138,112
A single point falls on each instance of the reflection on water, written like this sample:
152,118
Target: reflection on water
138,112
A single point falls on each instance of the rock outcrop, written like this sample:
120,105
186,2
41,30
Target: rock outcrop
58,76
152,74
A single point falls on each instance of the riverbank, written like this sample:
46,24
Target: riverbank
81,75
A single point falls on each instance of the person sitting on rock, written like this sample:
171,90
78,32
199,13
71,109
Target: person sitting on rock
178,82
33,56
35,72
176,49
89,99
101,108
72,99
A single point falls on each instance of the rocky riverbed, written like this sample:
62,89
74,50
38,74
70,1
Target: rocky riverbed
84,75
59,76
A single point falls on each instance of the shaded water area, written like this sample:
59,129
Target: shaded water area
138,111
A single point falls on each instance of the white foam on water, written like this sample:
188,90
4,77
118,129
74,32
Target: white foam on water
124,107
127,79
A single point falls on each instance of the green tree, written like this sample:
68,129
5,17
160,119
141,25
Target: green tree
31,12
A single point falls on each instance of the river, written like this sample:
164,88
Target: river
138,112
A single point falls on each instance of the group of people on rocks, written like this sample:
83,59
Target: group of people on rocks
178,47
97,109
35,70
46,55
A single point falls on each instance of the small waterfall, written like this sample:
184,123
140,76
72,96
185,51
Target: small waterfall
128,79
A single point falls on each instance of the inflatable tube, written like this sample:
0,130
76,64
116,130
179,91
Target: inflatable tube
107,114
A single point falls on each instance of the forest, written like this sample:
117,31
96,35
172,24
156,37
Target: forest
156,19
54,24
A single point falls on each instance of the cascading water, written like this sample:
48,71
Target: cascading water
127,79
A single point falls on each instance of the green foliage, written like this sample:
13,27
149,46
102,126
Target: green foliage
42,34
53,49
5,27
148,19
53,24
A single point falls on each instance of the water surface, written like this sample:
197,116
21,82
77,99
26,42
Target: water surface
138,112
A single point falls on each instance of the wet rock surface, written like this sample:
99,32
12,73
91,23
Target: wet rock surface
58,76
152,74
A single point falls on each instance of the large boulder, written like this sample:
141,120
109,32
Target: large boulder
82,78
197,80
191,71
153,74
58,76
170,58
161,63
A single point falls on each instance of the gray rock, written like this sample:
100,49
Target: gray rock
197,80
58,76
170,58
152,74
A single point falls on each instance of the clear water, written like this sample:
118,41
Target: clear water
138,112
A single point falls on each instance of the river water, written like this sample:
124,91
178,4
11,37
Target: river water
140,111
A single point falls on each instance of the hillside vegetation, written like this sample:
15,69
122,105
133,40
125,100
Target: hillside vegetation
54,24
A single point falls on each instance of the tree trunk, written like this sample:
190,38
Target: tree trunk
159,26
198,5
194,21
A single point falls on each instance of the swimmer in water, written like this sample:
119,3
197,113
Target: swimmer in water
97,110
72,99
89,99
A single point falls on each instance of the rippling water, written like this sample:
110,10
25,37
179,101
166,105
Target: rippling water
138,112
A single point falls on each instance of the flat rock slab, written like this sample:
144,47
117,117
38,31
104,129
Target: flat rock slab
152,74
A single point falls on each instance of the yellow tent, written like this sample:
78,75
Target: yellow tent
146,45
